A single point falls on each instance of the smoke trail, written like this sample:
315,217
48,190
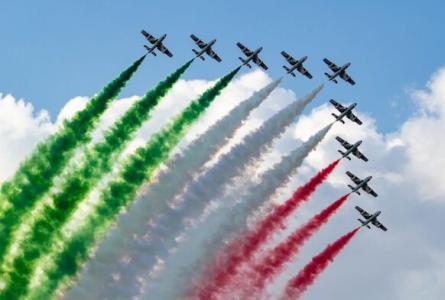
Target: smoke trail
96,281
306,277
120,191
240,250
80,181
273,261
198,193
34,176
202,240
211,182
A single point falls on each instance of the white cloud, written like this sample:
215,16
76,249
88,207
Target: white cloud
20,130
408,166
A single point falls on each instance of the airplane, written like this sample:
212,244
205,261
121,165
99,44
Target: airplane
206,48
338,71
295,65
361,184
370,219
351,149
345,112
156,44
251,56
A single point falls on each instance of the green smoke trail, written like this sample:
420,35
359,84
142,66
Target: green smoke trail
137,169
35,175
99,160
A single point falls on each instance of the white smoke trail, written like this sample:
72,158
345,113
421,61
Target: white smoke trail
98,279
211,182
202,240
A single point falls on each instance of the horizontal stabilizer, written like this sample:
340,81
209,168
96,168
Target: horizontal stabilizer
343,154
331,78
353,189
338,118
197,53
288,71
363,223
245,62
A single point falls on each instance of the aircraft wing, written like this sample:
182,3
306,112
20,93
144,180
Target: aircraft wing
363,212
353,177
245,50
378,225
369,190
289,58
347,78
343,142
201,44
337,105
164,50
213,55
331,65
260,63
149,37
305,72
354,118
359,155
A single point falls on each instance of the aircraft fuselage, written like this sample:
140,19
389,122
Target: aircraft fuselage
206,48
297,64
340,71
361,184
157,43
252,56
352,149
372,218
347,111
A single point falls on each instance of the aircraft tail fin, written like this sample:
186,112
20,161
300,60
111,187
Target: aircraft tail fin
343,154
150,50
245,62
196,52
330,77
288,71
353,188
338,118
363,223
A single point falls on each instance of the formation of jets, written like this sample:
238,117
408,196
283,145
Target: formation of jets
251,56
352,149
294,65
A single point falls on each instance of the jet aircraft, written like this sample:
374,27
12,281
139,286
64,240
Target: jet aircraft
361,184
156,44
205,48
351,149
295,65
338,71
370,219
251,56
345,112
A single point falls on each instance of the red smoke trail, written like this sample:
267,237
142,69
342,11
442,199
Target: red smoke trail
306,277
240,250
274,260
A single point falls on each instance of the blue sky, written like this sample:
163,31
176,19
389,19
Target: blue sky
55,50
